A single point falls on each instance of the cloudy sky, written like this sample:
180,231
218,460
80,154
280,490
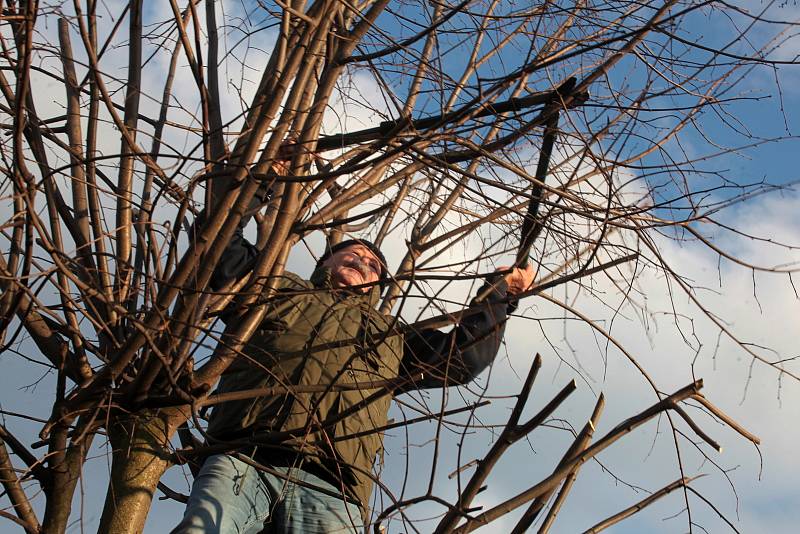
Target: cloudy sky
671,339
674,341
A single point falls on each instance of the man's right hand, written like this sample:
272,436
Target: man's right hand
519,279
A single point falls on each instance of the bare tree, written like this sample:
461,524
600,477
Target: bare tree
548,133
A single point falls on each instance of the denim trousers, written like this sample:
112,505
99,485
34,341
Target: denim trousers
230,496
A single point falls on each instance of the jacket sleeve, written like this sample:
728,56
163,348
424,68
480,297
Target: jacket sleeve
240,255
239,258
432,358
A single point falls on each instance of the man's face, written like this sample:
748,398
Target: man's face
353,266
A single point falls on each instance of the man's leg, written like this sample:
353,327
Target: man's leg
308,511
228,496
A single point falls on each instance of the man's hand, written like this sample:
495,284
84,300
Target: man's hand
283,159
281,165
519,279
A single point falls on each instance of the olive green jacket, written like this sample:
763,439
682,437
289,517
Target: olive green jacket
317,337
314,348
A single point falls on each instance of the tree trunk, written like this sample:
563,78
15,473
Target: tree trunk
140,457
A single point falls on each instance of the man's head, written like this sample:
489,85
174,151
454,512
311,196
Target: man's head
353,263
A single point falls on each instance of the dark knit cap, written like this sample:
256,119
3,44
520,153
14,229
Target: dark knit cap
369,244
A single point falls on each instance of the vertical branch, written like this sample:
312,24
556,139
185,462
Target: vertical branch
196,65
422,67
79,202
80,205
95,209
275,80
24,39
10,299
217,140
145,247
127,163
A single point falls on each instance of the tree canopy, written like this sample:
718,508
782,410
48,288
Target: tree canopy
634,153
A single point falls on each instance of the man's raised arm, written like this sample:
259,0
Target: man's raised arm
239,258
435,359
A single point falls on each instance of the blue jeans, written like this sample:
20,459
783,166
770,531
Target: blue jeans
230,496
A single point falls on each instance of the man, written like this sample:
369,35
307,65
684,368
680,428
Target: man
305,454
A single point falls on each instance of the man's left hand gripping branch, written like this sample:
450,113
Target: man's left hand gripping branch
337,362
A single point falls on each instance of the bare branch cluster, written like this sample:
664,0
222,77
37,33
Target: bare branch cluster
137,142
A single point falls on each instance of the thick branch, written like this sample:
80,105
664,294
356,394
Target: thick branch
19,500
